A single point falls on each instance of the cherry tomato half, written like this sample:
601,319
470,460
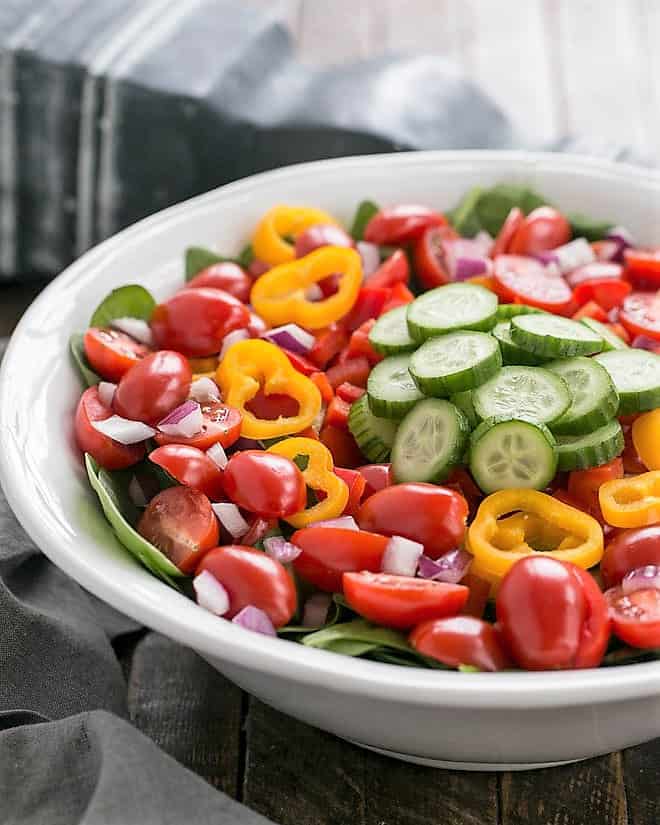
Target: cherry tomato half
401,224
544,228
583,485
180,522
221,425
594,271
643,267
434,516
524,280
251,577
108,453
153,387
401,601
429,256
194,321
377,476
640,314
461,640
191,467
264,483
345,452
327,552
628,550
552,615
321,234
227,276
636,616
112,353
511,225
394,270
606,292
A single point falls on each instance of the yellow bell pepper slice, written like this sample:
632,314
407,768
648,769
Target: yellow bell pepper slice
278,296
268,240
318,475
646,438
631,502
538,524
251,365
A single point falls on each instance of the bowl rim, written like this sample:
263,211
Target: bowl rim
218,639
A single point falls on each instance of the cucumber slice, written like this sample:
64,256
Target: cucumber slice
374,436
553,336
511,352
391,389
507,453
430,441
389,334
610,339
636,376
580,452
463,400
594,399
455,362
531,393
449,308
505,312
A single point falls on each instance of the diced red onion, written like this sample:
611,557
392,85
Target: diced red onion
257,268
252,618
124,430
278,548
643,578
216,452
106,392
465,268
569,256
370,254
623,238
314,293
204,390
258,529
315,611
136,493
342,522
401,556
644,342
609,250
291,337
485,241
449,568
136,328
464,258
185,420
210,594
232,338
231,519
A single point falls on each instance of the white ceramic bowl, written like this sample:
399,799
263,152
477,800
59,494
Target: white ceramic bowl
463,720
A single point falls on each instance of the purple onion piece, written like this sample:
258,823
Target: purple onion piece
469,268
252,618
643,578
449,568
180,412
278,548
401,556
291,337
210,593
315,612
124,430
644,342
370,254
231,519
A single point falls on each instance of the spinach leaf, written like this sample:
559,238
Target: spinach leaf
583,226
629,656
358,631
351,647
80,360
121,513
130,301
245,256
198,258
365,212
486,209
412,659
464,217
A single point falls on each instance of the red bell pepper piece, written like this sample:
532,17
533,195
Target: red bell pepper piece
299,362
328,344
607,292
324,386
591,310
354,370
337,413
349,392
399,295
395,270
356,483
345,452
369,304
360,345
309,432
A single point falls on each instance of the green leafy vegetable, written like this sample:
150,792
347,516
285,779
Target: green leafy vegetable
629,656
121,513
80,360
464,217
130,301
365,212
358,630
198,258
245,256
486,209
583,226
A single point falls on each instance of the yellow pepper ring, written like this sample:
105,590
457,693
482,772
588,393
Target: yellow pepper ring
646,438
278,296
631,502
318,475
251,365
268,242
498,543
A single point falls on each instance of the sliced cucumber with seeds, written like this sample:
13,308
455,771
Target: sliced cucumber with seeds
553,336
511,352
610,339
532,393
512,453
636,376
449,308
389,334
580,452
391,389
463,400
594,399
455,362
507,311
430,441
374,436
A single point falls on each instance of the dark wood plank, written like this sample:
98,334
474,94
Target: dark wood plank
14,300
188,709
580,794
641,770
295,774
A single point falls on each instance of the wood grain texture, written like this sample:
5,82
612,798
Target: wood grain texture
296,774
641,767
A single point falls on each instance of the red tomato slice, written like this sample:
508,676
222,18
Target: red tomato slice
227,276
595,271
479,594
643,267
264,483
345,452
628,550
461,640
112,353
108,453
524,280
180,522
191,467
401,224
596,624
328,552
222,425
401,601
606,292
429,256
635,617
394,270
511,225
544,228
591,310
640,314
356,484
